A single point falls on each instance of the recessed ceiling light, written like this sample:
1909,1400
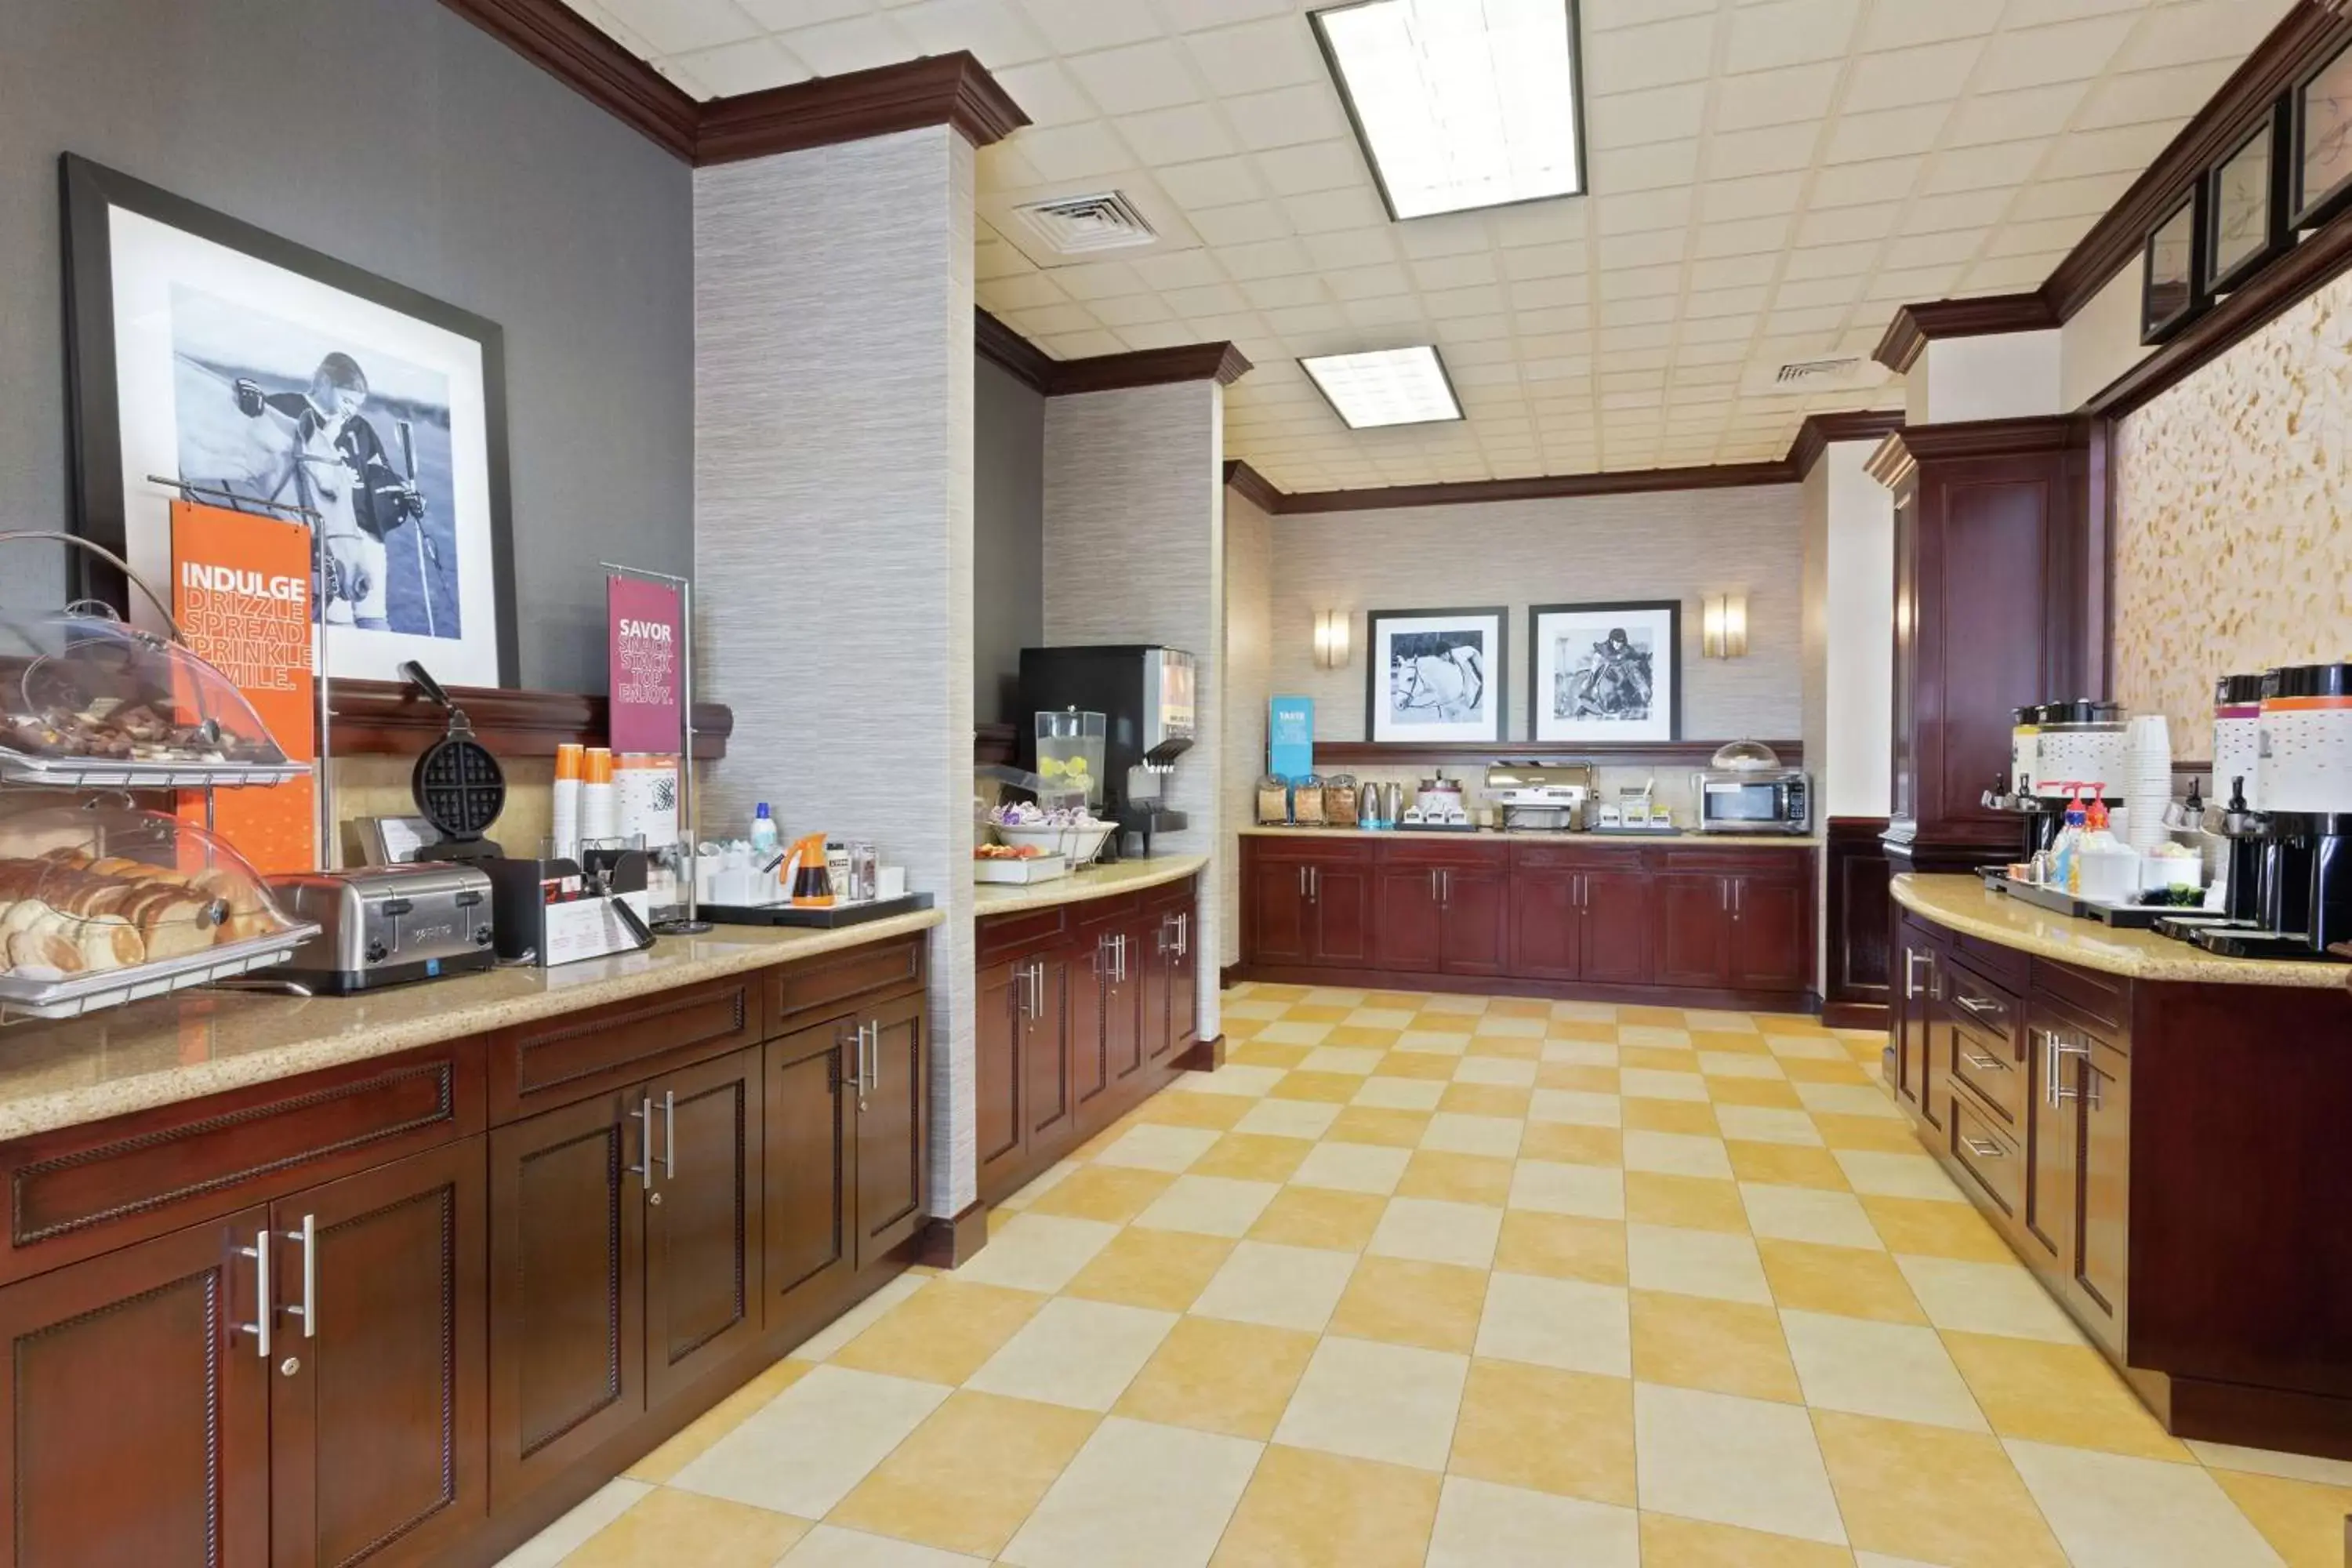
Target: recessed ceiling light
1461,103
1387,387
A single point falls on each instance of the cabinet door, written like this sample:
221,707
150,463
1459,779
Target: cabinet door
705,1220
1281,923
2103,1211
1412,919
1092,967
1123,1005
1615,926
1693,929
1769,950
377,1432
567,1289
1915,982
1155,965
1546,924
891,1130
1477,918
1001,1077
1046,1057
1184,987
2053,1119
810,1161
137,1422
1344,922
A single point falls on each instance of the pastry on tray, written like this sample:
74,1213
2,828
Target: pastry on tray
68,912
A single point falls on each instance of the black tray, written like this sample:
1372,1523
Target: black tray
823,917
2122,917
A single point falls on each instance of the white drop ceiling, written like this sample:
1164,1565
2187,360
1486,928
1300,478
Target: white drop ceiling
1770,180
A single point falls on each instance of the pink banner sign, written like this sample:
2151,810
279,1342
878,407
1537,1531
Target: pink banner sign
647,646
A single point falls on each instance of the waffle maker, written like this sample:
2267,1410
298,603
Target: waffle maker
459,785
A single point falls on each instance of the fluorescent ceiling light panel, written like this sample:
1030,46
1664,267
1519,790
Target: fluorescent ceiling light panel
1387,387
1461,103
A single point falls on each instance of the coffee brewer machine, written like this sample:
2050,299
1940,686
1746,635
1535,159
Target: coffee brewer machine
2294,833
1145,693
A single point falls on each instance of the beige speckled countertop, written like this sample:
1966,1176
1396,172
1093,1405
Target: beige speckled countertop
1965,904
1093,882
1602,840
196,1042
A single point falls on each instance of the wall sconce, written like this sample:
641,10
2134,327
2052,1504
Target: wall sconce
1331,639
1724,631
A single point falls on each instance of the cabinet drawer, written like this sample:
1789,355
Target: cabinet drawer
1437,852
2101,998
1528,857
1758,865
1302,847
806,993
558,1061
1989,1065
81,1191
1986,1006
2004,964
1005,935
1174,896
1986,1154
1104,912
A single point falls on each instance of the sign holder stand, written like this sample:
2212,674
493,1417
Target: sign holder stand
693,924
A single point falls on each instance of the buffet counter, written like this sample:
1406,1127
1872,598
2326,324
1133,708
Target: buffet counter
1089,883
1581,839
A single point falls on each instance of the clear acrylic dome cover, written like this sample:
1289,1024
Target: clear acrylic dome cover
88,694
1746,756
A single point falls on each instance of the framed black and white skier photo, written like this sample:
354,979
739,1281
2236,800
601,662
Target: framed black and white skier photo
1606,671
213,359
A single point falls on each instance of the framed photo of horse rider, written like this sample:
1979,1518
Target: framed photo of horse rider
212,361
1605,672
1436,676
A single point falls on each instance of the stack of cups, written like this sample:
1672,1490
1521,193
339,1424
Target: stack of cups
2148,788
563,821
600,816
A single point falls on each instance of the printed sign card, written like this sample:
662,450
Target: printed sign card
647,646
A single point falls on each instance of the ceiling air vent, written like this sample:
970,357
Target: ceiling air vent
1074,226
1811,373
1845,374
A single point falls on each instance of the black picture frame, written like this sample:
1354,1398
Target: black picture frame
99,508
2271,141
1673,610
2307,208
1496,700
2180,276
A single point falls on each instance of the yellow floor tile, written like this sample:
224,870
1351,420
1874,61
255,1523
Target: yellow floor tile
1401,1301
1766,1093
1867,1134
1581,1029
1216,1112
1318,1216
1806,1277
1332,1087
1561,1246
1809,1069
1250,1157
1424,1066
1164,1270
1788,1024
2303,1521
1456,1178
1267,992
1570,1433
1395,1001
1665,1058
714,1423
665,1526
1933,1494
1728,1347
1936,1230
1511,1047
1486,1099
1671,1542
1653,1017
1357,1035
1517,1007
2057,1393
1786,1165
1258,1054
1692,1116
969,1475
942,1332
1748,1042
1315,1013
1113,1192
1374,1124
1571,1075
1571,1144
1695,1203
1219,1376
1310,1509
999,1218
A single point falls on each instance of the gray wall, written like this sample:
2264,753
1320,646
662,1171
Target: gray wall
396,136
1008,536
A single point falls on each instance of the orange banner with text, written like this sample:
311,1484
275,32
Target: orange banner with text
241,593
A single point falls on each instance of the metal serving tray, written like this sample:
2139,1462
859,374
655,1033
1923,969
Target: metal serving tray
828,917
79,993
103,772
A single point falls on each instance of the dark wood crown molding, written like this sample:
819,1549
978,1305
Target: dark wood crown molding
1901,453
389,718
1468,754
1813,436
1009,350
1253,487
577,53
1915,326
1001,345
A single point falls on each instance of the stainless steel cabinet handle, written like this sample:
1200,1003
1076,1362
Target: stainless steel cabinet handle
1314,883
1911,963
1446,886
1183,934
669,1132
1724,896
2054,1052
1433,895
309,1310
1983,1149
1983,1063
644,1114
1981,1006
263,1313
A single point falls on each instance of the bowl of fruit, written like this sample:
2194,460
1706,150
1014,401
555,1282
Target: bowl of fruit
1075,835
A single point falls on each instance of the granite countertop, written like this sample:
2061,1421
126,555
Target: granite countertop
1604,840
1966,905
1092,882
196,1042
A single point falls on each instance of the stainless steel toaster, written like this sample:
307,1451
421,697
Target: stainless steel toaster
386,925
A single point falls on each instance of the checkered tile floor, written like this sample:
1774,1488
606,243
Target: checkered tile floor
1479,1283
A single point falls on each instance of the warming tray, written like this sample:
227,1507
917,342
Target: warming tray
95,772
828,917
72,996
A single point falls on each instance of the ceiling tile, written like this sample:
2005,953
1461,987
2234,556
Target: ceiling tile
2200,30
2073,51
2031,113
1285,258
853,43
1186,16
1323,212
2134,98
1073,152
1887,133
1212,182
1128,80
2002,167
2125,147
1744,239
1653,168
1791,32
994,30
1178,270
1176,135
1074,26
1286,116
1278,52
748,67
1904,77
1853,185
673,27
1634,119
1343,249
1629,58
1311,166
1777,97
1773,150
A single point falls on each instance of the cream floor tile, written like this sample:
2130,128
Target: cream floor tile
2271,1462
1739,1064
1037,1252
2304,1523
1149,1146
1434,1042
1848,1099
1546,1429
1690,1117
690,1527
1380,1093
1372,1124
1047,1180
1761,1124
1139,1495
1290,1031
1353,1168
1763,1093
1166,1270
1219,1377
1482,1525
1652,1083
1177,1106
1248,1157
1986,1299
1435,1231
1806,1214
1209,1205
1369,1400
1352,1060
1580,1107
1288,1119
1726,1460
1305,1509
967,1476
1585,1011
1805,1046
1381,1017
1079,1354
1573,1324
1452,1002
1282,1287
1633,1034
1927,1493
1677,1155
1594,1191
943,1333
808,1449
1319,1216
1889,1134
1347,997
1519,1027
2110,1510
1508,1072
1581,1053
1570,1145
1898,1176
1695,1263
695,1439
603,1506
2057,1393
1253,1082
1253,1007
863,1316
1700,1202
830,1546
1671,1542
1897,1371
1456,1133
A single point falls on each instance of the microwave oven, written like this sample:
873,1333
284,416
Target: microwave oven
1775,800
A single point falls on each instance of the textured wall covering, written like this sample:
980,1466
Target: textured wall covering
1249,637
1135,553
2232,548
1519,553
395,135
833,516
1008,544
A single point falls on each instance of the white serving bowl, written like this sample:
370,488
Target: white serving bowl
1079,845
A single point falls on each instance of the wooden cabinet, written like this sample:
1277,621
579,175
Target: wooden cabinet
1442,910
1771,948
1746,928
1000,1114
1281,915
808,1128
1410,920
1916,1021
705,1220
1579,916
1614,945
1547,918
893,1132
1184,984
1340,893
2053,1135
2102,1188
1693,941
